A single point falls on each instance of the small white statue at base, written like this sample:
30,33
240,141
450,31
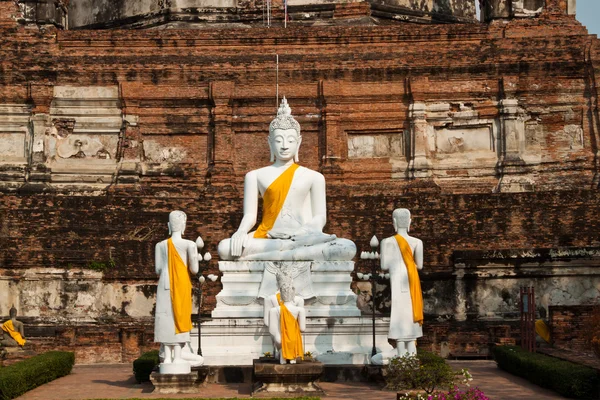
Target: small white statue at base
286,323
402,255
283,277
175,258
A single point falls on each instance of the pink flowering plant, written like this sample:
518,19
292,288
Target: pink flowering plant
453,394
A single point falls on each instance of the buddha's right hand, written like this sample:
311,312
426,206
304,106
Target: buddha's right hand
238,240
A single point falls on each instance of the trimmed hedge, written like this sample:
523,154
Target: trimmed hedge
28,374
143,366
568,379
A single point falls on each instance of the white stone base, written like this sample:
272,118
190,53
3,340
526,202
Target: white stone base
241,281
237,341
175,368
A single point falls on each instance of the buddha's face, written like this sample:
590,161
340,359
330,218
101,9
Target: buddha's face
284,143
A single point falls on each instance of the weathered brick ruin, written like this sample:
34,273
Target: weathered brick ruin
488,131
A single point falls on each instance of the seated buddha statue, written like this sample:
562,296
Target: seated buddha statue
294,206
11,332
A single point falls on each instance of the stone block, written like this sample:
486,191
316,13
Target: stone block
301,378
179,383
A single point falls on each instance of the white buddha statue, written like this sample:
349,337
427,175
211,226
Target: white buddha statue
175,259
294,206
402,255
286,323
283,278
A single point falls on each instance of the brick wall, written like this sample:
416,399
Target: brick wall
569,325
211,93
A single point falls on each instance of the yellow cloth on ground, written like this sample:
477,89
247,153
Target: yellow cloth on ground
291,338
273,200
181,290
542,329
9,328
414,284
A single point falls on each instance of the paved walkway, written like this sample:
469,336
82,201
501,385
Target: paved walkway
117,382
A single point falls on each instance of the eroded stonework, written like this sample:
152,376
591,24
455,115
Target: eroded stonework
488,132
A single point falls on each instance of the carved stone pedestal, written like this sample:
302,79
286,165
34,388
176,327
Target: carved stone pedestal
272,377
180,383
238,341
335,331
245,282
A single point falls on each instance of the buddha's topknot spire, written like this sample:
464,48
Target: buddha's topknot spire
284,119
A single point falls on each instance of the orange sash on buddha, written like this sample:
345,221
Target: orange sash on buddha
414,284
9,328
291,338
542,329
181,290
273,200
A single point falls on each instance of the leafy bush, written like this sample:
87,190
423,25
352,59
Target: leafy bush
568,379
18,378
143,366
425,371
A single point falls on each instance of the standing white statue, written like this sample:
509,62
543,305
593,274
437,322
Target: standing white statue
402,255
294,206
283,278
286,323
175,258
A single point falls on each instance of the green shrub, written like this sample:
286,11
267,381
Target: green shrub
143,366
568,379
426,371
18,378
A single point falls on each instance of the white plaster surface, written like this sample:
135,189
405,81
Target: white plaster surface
241,281
155,152
71,294
375,145
496,290
14,132
237,341
465,139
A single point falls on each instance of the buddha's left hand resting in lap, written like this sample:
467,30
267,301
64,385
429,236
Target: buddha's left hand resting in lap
294,206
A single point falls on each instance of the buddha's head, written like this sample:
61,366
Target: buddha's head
12,313
286,285
284,135
177,221
401,217
287,293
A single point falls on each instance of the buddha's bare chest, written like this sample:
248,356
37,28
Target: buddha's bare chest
298,190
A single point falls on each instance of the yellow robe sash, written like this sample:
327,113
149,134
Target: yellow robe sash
542,329
414,284
291,338
181,290
9,328
273,200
